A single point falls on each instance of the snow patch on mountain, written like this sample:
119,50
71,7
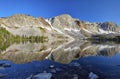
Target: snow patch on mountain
49,21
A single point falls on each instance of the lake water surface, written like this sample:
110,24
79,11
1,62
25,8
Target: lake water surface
28,58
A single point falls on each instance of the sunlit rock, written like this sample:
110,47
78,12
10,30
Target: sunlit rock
93,76
41,76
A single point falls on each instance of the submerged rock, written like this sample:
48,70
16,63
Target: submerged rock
41,76
2,68
2,75
5,65
75,64
75,76
51,66
93,76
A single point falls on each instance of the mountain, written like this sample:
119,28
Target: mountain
64,25
58,30
74,27
24,25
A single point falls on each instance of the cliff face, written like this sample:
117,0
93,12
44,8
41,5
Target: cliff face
25,25
65,22
80,29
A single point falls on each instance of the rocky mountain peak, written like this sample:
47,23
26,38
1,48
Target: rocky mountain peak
109,26
64,16
21,20
21,24
112,24
65,22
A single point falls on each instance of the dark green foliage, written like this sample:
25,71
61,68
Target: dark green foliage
6,39
105,38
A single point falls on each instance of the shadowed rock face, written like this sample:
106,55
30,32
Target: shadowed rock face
109,26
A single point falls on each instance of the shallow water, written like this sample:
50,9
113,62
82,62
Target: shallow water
27,58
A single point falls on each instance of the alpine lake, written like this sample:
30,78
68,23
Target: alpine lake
59,59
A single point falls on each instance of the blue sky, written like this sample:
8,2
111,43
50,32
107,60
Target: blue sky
86,10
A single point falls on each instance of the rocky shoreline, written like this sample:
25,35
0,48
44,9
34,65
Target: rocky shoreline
45,69
91,67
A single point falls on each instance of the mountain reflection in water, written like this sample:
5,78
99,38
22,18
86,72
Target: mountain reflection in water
61,52
102,59
24,52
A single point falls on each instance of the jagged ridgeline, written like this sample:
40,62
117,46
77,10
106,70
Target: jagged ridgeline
24,27
21,28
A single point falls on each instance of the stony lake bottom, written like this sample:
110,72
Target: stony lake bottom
59,60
